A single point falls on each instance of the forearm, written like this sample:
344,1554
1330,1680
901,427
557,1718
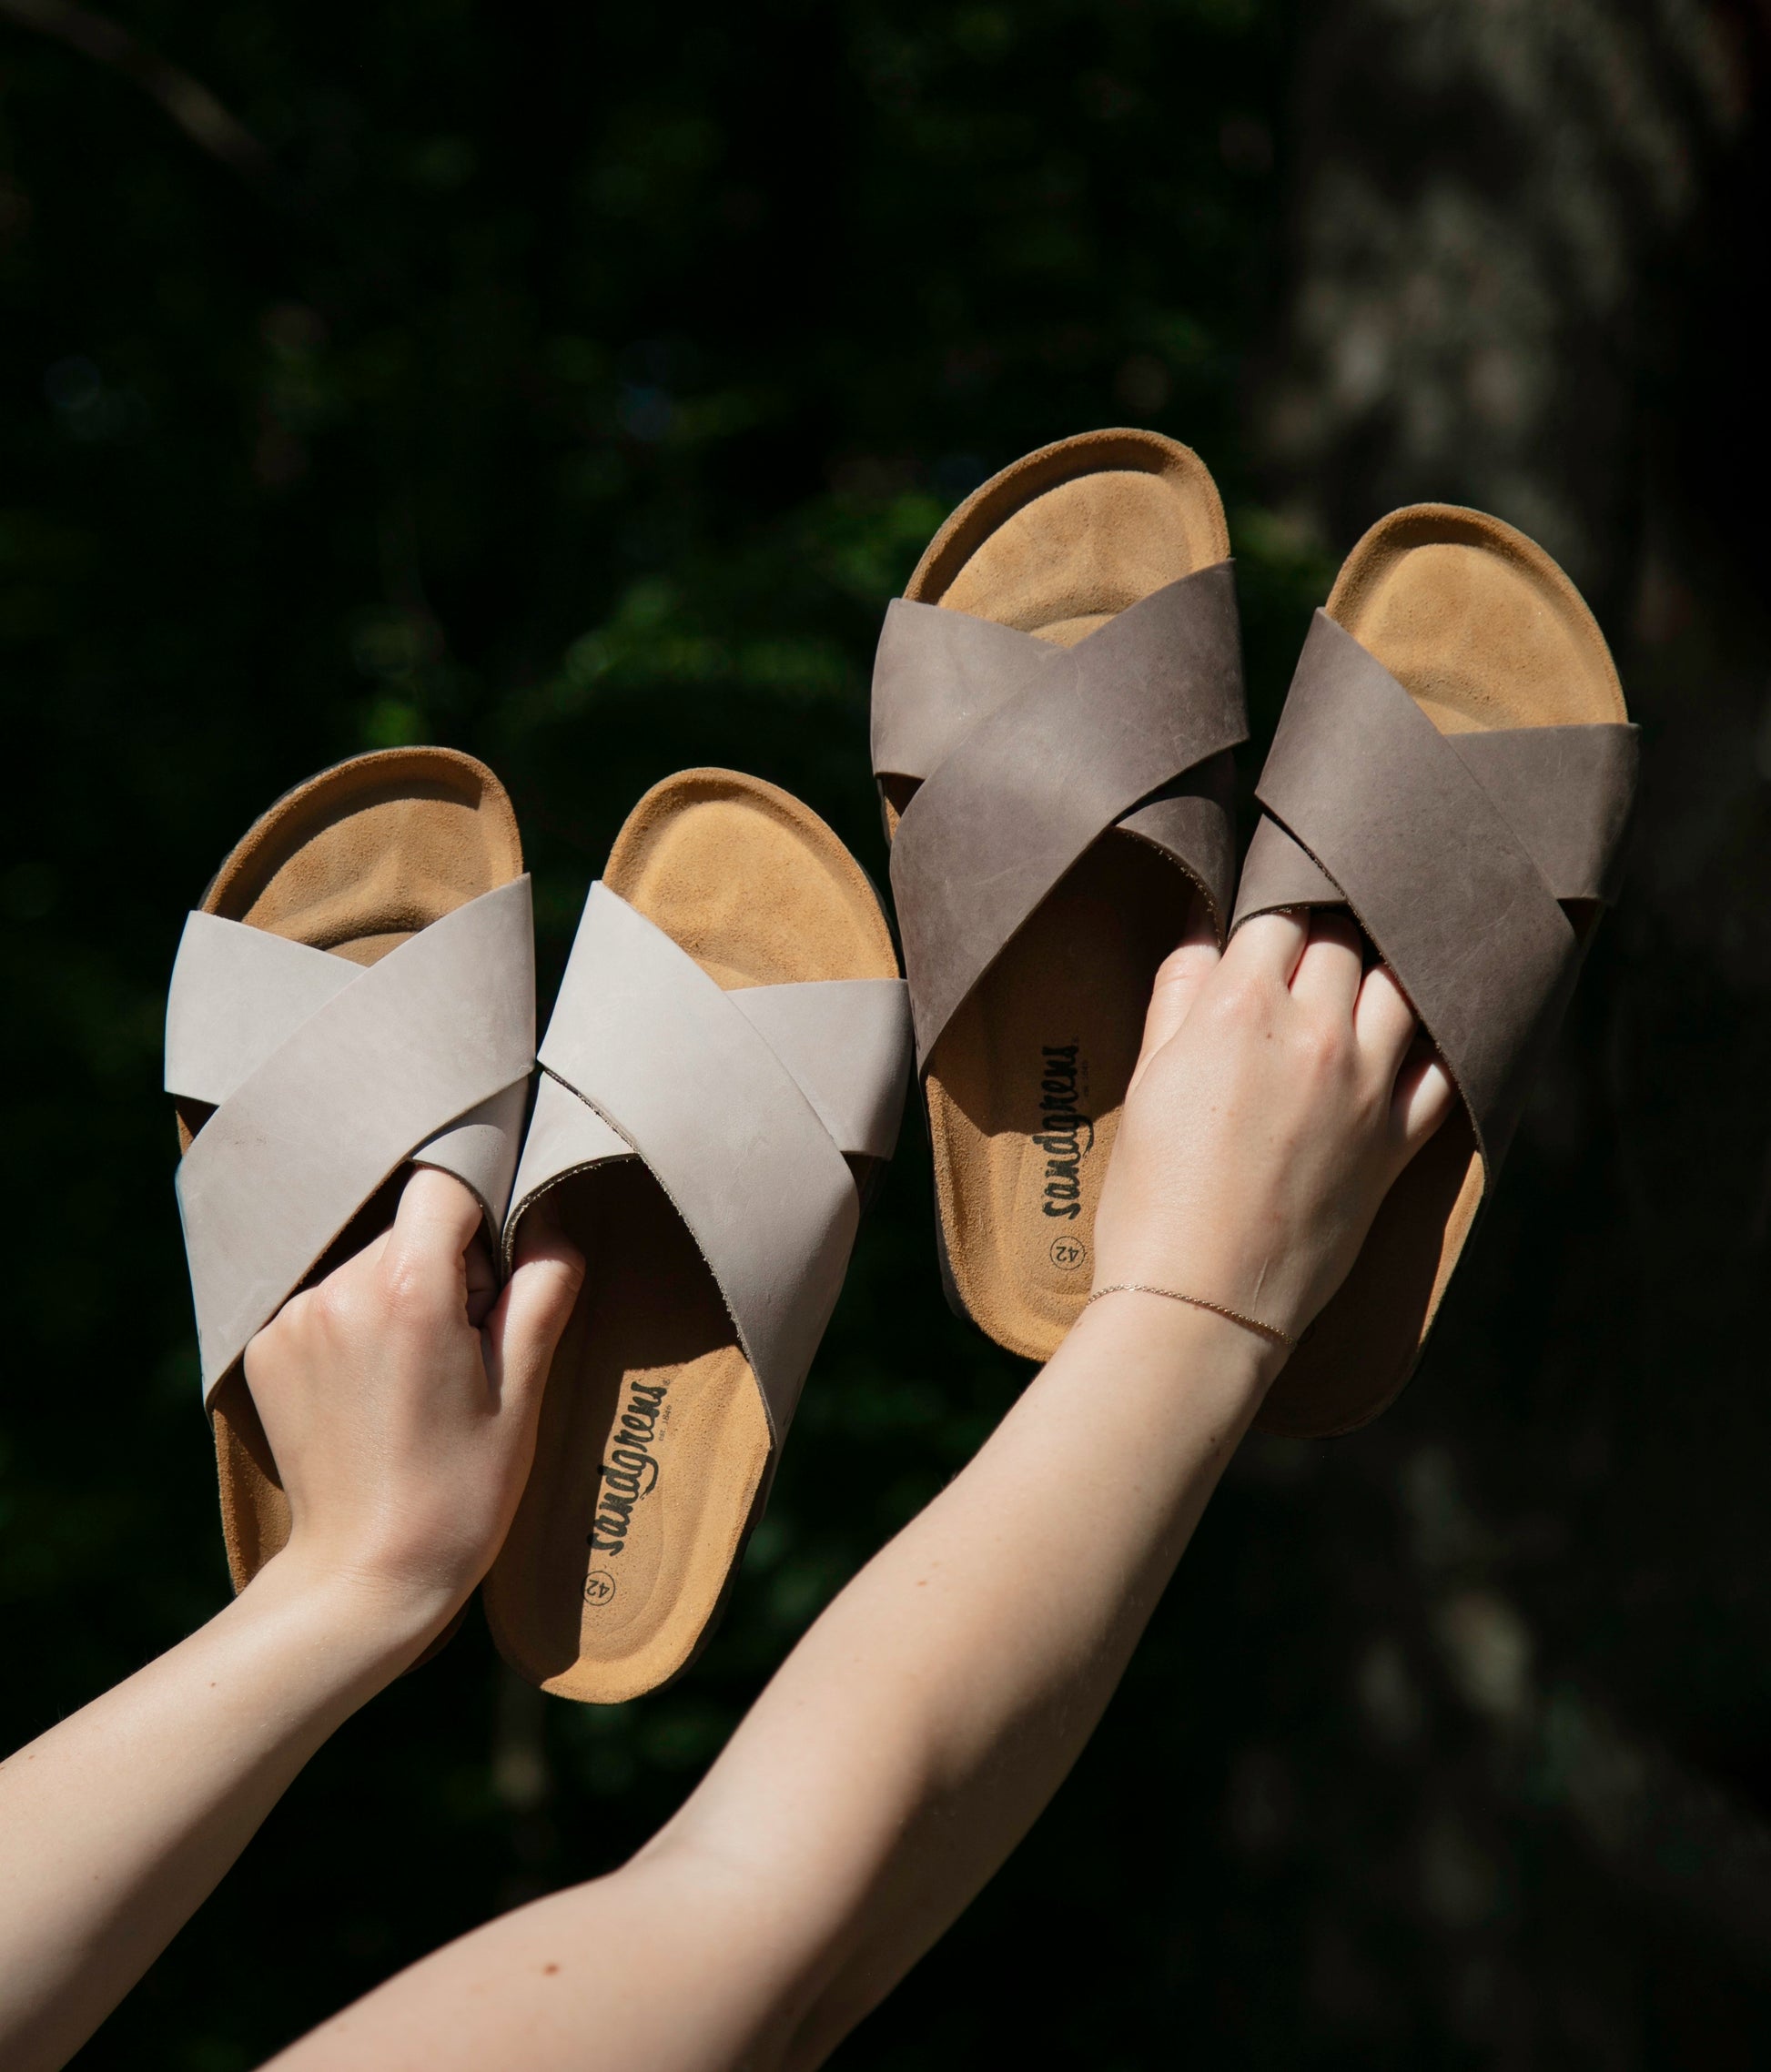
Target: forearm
894,1762
923,1725
116,1823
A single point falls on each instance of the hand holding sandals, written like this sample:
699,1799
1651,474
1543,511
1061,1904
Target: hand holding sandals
1279,1091
910,1739
401,1402
399,1397
1058,696
1057,700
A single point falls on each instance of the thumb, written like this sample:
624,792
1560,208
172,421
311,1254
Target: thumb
1178,981
525,1327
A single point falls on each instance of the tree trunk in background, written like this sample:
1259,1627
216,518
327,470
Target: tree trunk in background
1525,243
1487,195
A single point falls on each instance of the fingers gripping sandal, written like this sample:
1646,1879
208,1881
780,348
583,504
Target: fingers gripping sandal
1055,701
357,994
728,1054
1454,765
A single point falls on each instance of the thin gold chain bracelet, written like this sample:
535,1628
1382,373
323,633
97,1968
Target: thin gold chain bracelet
1199,1302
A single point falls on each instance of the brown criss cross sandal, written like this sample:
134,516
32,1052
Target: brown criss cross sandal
1055,702
1454,762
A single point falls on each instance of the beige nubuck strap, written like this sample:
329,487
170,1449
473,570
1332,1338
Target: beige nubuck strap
326,1078
742,1104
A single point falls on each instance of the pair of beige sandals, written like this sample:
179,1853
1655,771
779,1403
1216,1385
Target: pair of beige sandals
669,1124
723,1070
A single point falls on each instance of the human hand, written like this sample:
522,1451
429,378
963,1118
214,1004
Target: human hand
1281,1089
401,1400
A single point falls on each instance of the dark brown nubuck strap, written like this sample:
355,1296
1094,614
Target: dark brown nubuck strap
1028,753
1454,853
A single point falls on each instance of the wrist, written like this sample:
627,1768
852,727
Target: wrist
376,1624
1184,1333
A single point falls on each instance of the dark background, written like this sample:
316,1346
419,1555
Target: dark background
574,385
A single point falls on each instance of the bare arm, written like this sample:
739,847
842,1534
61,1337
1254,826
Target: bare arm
918,1729
403,1432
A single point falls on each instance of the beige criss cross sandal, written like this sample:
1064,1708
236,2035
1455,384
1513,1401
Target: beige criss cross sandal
356,995
722,1077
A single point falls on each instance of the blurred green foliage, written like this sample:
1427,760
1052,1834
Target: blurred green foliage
575,387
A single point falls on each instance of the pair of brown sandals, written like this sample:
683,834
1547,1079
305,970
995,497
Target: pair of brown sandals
1057,701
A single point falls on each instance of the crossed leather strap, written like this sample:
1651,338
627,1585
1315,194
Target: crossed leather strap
326,1078
1027,753
1454,852
742,1104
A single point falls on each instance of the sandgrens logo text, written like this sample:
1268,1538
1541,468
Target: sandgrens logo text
630,1470
1064,1135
